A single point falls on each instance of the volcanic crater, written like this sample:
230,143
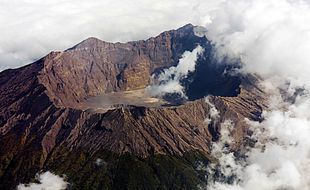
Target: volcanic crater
66,110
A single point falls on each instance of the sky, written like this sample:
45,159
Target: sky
32,28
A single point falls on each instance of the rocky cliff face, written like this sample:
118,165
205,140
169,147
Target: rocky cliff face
42,125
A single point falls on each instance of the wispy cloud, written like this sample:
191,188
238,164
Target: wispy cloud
168,81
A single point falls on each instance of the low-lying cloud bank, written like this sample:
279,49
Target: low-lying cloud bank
280,158
272,39
47,181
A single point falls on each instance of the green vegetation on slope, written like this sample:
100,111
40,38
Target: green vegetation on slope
106,170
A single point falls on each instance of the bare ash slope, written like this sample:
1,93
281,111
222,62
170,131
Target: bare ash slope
40,115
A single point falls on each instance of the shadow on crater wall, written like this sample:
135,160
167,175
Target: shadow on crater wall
210,78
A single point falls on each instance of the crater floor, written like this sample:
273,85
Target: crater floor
124,98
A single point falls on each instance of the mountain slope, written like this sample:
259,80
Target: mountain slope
45,124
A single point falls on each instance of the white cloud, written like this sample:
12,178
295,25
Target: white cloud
271,37
100,162
48,181
32,28
280,158
274,32
227,164
214,114
168,81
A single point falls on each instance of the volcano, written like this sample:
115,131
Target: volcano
68,109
